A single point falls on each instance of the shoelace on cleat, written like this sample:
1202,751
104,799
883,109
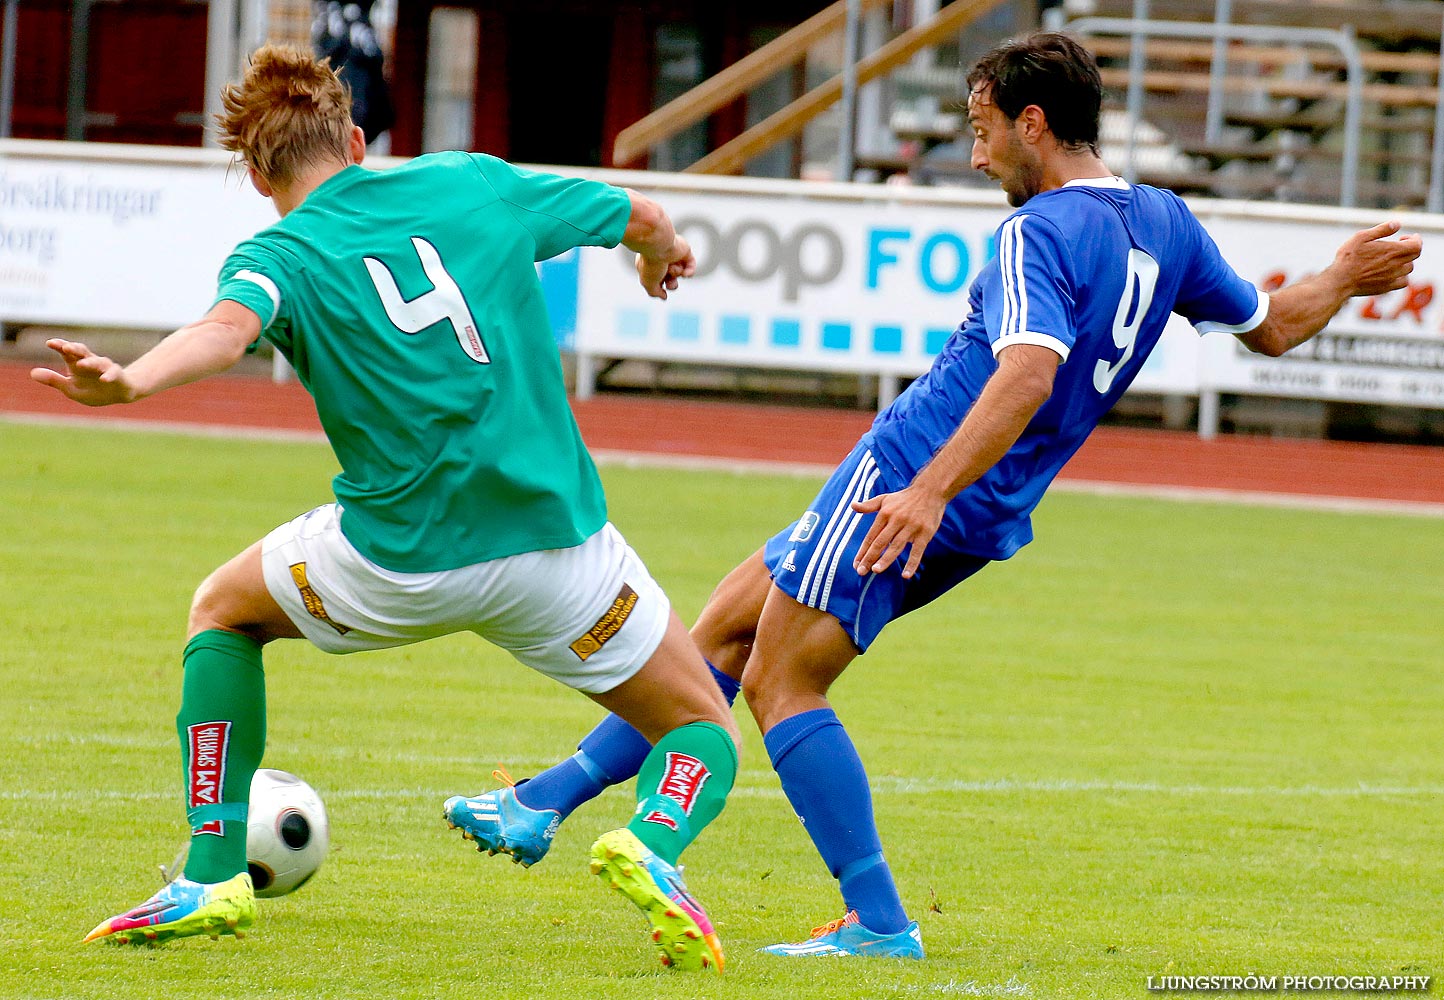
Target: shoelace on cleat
850,917
177,867
500,775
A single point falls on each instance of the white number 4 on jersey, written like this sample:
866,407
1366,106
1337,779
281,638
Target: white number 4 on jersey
443,302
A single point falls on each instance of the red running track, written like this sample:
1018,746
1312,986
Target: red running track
803,436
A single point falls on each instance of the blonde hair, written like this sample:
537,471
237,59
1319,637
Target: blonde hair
289,111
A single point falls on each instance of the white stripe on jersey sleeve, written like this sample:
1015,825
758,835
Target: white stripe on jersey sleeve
1038,339
266,285
1008,251
1249,324
1015,295
1020,322
1004,256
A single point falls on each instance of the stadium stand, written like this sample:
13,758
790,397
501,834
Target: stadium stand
1282,131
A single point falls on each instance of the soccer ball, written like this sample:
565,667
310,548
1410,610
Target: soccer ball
287,833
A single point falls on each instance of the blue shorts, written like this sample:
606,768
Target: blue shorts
811,560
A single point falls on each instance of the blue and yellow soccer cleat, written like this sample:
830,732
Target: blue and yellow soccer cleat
500,824
684,937
846,936
183,909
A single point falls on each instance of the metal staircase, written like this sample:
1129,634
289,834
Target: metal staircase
639,139
1330,102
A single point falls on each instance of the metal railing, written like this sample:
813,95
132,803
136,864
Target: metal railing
736,80
1342,40
784,124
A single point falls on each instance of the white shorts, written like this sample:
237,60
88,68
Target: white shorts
589,616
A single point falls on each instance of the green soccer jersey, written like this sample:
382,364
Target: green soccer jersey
408,302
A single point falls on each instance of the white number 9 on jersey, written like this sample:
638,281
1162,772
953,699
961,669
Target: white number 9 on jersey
1138,285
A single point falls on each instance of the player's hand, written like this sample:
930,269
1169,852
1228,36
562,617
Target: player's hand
908,519
661,275
88,378
1375,263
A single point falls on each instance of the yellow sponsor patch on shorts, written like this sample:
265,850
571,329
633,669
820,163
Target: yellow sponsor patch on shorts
312,600
607,625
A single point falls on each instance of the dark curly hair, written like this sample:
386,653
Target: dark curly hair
1053,71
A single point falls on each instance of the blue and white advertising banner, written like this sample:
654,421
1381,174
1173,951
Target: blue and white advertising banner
874,285
873,279
793,275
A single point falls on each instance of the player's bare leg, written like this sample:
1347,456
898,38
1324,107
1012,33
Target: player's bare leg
235,599
521,819
798,653
727,626
672,689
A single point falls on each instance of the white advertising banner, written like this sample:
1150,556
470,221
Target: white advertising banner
842,278
796,278
1386,349
97,241
793,275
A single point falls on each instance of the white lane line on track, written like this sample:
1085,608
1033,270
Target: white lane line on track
703,463
183,427
1200,494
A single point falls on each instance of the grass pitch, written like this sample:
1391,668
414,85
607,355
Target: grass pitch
1166,739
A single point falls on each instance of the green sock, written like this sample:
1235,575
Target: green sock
222,729
682,786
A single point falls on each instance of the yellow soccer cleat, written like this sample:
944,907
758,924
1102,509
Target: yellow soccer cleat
684,936
184,909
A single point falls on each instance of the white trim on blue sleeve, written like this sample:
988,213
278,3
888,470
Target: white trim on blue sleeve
1037,339
1010,266
266,285
1014,327
1207,326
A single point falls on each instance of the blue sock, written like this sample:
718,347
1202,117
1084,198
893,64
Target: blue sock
562,786
608,755
726,683
827,786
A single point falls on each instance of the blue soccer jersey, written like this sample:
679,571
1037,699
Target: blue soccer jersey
1091,270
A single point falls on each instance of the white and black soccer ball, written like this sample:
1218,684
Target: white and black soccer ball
287,833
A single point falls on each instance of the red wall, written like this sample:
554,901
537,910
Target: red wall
146,70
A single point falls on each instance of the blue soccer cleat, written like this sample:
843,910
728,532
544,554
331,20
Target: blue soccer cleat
183,909
846,936
681,930
500,824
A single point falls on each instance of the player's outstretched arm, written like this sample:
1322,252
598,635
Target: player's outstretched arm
910,517
1370,262
663,256
196,350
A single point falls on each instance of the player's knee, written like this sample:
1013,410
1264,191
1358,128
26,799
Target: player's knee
212,607
203,613
707,705
728,653
760,689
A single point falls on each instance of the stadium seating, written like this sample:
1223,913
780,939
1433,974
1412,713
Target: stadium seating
1281,134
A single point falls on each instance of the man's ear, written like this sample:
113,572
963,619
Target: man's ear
259,183
1032,123
356,144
